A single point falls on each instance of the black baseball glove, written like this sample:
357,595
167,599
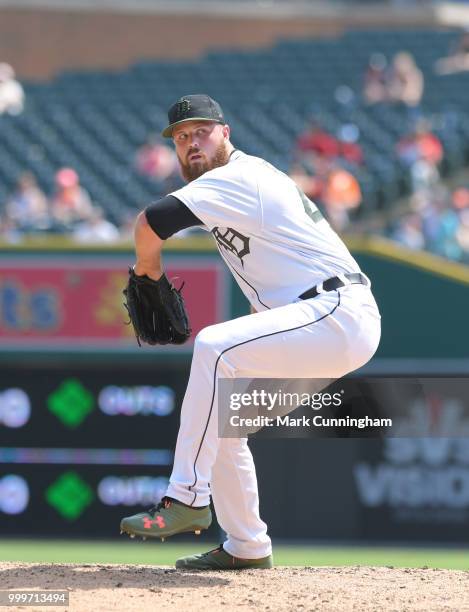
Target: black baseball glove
156,310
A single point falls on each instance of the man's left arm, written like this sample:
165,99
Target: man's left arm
148,247
156,308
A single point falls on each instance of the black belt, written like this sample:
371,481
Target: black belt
351,278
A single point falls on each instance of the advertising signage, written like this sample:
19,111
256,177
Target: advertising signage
80,447
75,303
114,407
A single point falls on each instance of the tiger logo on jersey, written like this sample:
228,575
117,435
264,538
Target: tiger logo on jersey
232,241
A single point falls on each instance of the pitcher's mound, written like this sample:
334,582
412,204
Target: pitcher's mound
147,588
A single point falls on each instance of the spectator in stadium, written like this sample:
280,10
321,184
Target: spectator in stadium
438,222
421,151
9,233
332,188
315,141
96,229
462,235
27,208
157,161
341,194
409,232
316,146
446,242
70,203
451,241
429,205
405,83
11,91
375,81
460,198
458,58
420,143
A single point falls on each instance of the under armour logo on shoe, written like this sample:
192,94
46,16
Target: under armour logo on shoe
158,520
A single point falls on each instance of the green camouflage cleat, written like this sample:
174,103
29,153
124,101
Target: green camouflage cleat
219,559
170,516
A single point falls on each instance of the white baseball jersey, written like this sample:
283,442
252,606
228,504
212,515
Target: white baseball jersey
272,237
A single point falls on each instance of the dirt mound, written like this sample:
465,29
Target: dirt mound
143,587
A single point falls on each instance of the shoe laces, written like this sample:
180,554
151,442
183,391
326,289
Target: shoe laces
164,503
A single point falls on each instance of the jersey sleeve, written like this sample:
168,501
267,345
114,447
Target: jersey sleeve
223,197
169,215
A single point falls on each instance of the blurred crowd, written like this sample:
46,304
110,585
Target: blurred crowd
319,168
401,82
157,161
69,210
327,164
438,222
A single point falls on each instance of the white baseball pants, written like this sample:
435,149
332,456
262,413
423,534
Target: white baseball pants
324,337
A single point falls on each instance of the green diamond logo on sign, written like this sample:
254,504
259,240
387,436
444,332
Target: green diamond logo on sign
69,495
71,403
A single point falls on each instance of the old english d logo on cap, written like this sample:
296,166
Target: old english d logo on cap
196,107
183,107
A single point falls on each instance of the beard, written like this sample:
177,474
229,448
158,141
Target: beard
190,172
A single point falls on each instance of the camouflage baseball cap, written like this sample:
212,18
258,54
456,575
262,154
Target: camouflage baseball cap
197,107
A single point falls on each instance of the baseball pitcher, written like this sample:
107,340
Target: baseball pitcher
314,316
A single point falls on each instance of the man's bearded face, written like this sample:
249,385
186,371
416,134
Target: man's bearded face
200,147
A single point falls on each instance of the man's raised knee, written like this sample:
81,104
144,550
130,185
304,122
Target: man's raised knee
207,338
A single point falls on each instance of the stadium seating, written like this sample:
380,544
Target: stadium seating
95,120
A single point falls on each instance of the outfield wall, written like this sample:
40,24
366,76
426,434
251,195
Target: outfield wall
88,420
70,300
81,446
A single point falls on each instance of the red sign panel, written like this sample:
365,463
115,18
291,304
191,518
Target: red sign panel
77,303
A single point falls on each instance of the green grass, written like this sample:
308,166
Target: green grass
157,553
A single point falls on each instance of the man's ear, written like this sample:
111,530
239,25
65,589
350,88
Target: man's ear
226,132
